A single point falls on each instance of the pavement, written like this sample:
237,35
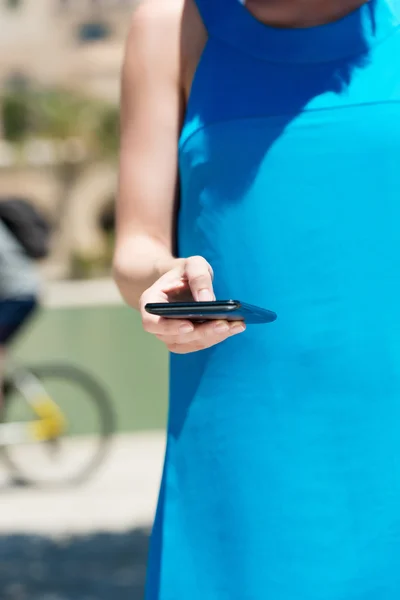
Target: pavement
84,543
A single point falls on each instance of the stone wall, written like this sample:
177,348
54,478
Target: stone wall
91,192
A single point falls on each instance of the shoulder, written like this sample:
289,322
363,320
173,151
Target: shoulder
158,13
162,33
156,24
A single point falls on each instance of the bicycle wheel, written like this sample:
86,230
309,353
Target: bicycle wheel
71,453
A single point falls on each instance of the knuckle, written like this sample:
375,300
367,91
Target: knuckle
164,332
199,279
200,263
210,332
172,327
196,259
172,334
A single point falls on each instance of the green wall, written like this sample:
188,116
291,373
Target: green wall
110,343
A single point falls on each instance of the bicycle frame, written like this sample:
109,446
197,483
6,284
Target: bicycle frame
49,423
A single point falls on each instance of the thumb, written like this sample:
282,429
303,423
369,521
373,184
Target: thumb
199,275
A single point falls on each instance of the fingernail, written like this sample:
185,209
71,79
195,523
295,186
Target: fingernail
238,328
205,296
186,328
221,327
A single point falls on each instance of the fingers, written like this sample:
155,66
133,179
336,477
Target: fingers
155,324
202,337
158,325
181,336
199,275
194,272
166,327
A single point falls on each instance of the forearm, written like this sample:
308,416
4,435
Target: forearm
138,263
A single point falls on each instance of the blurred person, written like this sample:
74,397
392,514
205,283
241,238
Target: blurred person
19,289
267,136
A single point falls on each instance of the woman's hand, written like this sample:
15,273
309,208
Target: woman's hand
190,280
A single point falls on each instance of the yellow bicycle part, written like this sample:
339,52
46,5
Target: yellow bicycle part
51,423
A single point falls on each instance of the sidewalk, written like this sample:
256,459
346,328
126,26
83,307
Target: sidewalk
84,543
122,493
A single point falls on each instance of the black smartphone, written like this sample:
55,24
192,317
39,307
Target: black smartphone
199,312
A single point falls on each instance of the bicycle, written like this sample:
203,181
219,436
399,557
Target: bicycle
45,408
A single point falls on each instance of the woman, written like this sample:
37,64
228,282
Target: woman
282,118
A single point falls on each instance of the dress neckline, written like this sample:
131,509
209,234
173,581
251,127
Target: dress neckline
355,34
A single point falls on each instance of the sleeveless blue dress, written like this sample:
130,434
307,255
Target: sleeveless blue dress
282,470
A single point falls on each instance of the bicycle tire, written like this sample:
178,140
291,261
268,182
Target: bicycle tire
98,396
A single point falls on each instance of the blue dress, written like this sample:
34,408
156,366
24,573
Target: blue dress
282,471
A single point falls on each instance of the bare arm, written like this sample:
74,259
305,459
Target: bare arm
152,108
151,114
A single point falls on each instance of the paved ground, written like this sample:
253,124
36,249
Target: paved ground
90,543
87,543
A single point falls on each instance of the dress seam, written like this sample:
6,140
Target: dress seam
309,63
184,141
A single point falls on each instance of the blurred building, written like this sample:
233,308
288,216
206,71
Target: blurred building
78,43
74,45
